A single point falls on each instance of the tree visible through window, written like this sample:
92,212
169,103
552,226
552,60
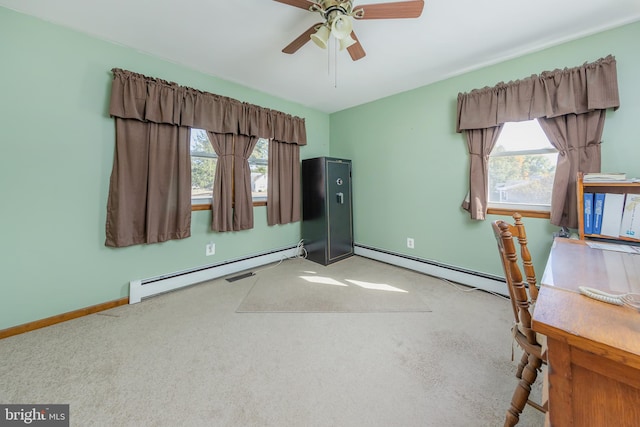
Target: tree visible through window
203,168
522,167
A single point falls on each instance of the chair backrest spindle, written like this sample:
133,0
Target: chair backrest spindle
521,298
529,271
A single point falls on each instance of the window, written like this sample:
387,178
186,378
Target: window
203,168
522,167
258,162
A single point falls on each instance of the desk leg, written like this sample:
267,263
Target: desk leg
560,386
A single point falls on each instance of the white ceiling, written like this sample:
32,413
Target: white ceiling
241,40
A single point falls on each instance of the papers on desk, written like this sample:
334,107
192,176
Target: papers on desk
614,247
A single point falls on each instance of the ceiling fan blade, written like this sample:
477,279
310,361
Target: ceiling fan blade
401,9
301,40
302,4
355,50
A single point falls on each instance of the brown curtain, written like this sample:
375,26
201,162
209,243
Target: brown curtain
243,203
138,97
222,203
232,199
159,106
553,94
480,142
283,191
577,138
150,187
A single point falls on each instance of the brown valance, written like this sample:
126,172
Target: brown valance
148,99
592,86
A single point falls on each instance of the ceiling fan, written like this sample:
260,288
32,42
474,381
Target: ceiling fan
338,21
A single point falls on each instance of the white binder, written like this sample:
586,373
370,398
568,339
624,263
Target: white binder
612,214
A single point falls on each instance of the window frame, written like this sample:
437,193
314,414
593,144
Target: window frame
207,204
525,209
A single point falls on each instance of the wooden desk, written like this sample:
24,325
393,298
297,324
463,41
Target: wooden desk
593,348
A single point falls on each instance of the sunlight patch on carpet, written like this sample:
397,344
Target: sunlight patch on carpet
353,285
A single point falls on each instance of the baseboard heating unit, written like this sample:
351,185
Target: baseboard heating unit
470,278
145,288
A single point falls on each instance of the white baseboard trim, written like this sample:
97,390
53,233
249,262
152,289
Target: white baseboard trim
145,288
455,274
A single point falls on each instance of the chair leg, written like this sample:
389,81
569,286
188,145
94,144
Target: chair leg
522,391
523,362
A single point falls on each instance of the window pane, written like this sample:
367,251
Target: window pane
203,167
522,136
258,162
522,179
200,142
203,170
520,175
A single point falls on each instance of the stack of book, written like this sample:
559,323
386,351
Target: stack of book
605,176
612,215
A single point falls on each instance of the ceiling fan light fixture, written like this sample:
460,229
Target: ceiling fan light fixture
346,42
321,37
341,26
339,18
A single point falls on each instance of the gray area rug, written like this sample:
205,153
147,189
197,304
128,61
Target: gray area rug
352,285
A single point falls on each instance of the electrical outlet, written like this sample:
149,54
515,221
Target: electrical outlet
410,243
211,249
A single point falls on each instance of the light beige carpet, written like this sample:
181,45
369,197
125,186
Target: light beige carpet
187,358
352,285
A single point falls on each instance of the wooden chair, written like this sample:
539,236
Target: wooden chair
522,302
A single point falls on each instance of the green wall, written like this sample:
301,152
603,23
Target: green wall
57,145
410,168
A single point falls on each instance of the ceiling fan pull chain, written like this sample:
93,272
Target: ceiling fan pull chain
335,63
329,60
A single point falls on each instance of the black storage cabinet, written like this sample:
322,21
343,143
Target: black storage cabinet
327,219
